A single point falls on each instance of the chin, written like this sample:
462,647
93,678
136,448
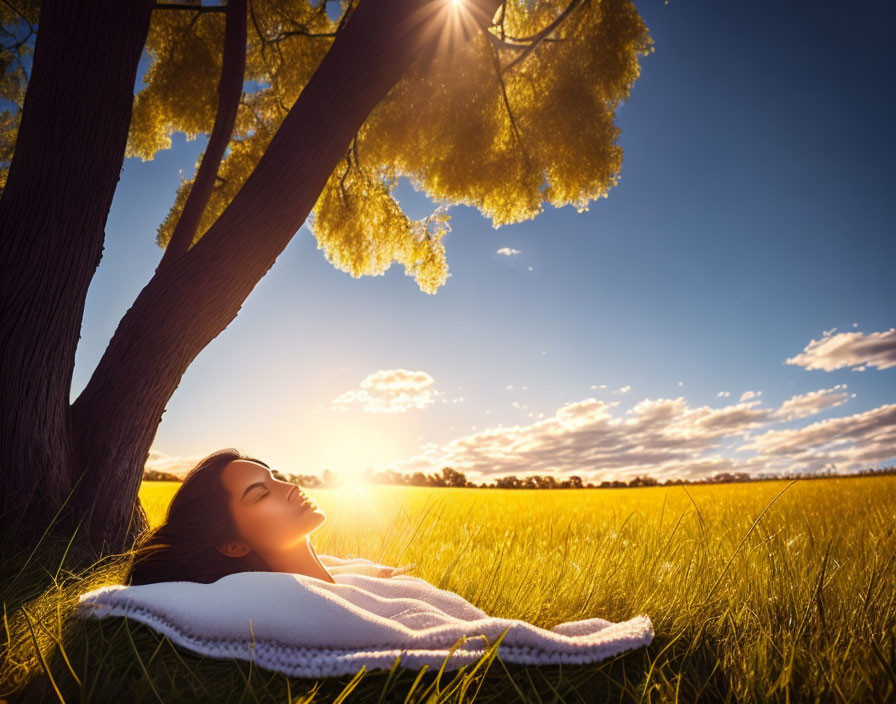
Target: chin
317,517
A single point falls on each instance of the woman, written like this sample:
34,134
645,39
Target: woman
232,515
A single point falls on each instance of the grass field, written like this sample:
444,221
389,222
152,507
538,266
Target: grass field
797,606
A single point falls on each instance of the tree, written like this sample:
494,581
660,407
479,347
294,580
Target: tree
417,479
435,480
452,477
510,482
154,475
547,481
487,102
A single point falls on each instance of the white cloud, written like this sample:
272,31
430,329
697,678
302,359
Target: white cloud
622,390
508,251
723,394
808,404
681,383
849,349
667,438
747,395
663,436
391,391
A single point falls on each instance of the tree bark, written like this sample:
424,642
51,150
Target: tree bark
53,212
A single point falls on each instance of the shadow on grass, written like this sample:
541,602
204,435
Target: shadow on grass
118,659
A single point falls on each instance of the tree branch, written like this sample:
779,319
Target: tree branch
189,303
298,33
502,44
18,12
19,42
230,89
535,39
264,46
516,129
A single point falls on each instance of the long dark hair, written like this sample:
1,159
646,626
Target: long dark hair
183,548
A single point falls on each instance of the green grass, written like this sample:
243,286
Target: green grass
797,606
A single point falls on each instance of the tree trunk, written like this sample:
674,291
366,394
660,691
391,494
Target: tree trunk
53,212
193,298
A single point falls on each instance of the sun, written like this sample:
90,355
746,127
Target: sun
354,506
353,480
446,25
354,492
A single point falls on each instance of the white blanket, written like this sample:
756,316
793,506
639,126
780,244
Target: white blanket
307,627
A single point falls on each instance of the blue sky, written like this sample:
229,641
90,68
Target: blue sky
752,218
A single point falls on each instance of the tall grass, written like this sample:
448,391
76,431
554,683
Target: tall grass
771,591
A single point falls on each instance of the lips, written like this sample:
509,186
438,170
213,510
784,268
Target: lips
304,501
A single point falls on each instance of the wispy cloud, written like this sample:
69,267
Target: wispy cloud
809,404
849,349
747,395
390,391
855,440
622,390
508,251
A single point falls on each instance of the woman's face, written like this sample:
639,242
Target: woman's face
270,515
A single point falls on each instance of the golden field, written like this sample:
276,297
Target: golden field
801,603
771,591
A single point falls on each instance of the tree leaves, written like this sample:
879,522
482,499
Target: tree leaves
461,128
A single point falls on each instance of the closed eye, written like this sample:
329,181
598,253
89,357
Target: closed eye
261,497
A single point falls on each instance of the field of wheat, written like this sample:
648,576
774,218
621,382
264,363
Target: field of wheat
767,591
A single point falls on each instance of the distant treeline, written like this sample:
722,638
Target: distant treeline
452,478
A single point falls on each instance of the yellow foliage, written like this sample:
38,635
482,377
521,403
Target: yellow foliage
450,132
181,82
464,130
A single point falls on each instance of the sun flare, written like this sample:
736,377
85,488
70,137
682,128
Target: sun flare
354,494
353,480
